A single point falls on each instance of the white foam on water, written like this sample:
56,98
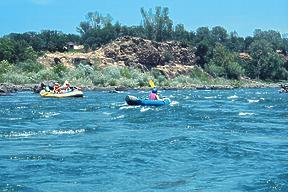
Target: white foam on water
143,109
48,114
66,132
245,113
129,107
21,107
25,134
253,100
21,134
269,107
210,97
14,118
233,97
106,113
119,117
173,103
186,98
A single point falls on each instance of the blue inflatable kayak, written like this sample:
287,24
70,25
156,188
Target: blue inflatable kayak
132,100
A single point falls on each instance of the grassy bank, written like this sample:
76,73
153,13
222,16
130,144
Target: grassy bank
30,72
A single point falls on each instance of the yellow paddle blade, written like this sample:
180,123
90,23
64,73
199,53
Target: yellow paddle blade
151,83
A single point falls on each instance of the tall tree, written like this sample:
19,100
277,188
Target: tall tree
271,36
265,63
219,34
157,26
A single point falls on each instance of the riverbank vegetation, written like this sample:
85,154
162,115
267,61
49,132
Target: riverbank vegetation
221,57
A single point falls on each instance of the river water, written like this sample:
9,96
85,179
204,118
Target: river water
217,140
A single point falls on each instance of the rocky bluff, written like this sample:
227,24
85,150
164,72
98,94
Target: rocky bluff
171,57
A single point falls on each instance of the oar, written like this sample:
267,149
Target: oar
151,83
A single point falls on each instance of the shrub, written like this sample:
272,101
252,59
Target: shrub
112,72
215,70
5,67
16,78
197,73
60,70
46,75
30,66
126,72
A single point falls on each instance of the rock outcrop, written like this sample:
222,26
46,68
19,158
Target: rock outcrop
7,88
170,57
134,51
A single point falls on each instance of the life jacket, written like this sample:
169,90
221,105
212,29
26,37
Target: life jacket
56,89
153,96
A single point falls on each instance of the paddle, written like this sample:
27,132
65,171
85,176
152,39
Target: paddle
151,83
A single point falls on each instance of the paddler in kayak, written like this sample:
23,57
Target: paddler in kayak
153,95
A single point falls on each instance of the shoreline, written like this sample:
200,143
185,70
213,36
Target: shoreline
7,88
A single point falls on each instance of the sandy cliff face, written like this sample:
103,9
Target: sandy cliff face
171,58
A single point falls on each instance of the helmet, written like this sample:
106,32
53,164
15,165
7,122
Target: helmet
154,90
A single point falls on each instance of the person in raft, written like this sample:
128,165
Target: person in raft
56,88
153,95
66,87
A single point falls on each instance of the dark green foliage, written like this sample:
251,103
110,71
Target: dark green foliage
47,40
201,54
219,34
60,70
7,50
271,36
265,63
235,43
15,51
224,64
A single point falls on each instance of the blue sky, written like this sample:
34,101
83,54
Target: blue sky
243,16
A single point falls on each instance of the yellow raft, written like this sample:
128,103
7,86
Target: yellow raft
75,93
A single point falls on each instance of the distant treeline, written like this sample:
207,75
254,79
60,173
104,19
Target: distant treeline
217,51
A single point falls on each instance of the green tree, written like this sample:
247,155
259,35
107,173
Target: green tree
53,40
271,36
235,43
224,64
219,34
203,35
265,63
157,26
7,51
180,34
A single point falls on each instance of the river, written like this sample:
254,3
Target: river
206,140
